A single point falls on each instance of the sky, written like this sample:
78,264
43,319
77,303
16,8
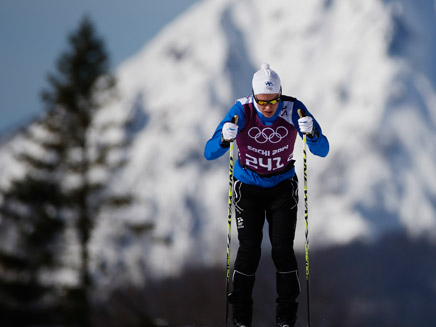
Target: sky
33,34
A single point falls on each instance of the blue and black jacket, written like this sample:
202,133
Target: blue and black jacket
215,148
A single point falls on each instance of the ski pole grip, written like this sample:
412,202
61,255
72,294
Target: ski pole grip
235,119
301,113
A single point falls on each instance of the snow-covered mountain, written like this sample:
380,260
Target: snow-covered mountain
364,68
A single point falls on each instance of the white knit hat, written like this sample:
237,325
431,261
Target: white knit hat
266,81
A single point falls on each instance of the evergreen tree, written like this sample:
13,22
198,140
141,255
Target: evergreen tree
81,86
65,186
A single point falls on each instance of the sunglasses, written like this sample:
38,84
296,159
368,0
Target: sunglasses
265,102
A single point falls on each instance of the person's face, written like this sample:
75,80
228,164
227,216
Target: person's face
267,103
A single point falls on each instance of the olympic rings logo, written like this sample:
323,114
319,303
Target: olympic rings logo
268,134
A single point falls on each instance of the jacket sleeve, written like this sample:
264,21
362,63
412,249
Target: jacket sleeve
214,147
318,144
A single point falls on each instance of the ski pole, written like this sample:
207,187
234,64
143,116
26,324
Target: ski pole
229,221
302,114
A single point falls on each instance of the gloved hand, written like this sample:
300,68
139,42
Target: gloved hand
306,125
229,132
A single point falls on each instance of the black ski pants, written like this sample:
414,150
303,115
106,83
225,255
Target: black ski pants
254,205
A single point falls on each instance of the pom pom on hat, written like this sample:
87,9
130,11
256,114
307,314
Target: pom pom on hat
266,81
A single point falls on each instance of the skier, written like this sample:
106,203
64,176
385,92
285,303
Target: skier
266,187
